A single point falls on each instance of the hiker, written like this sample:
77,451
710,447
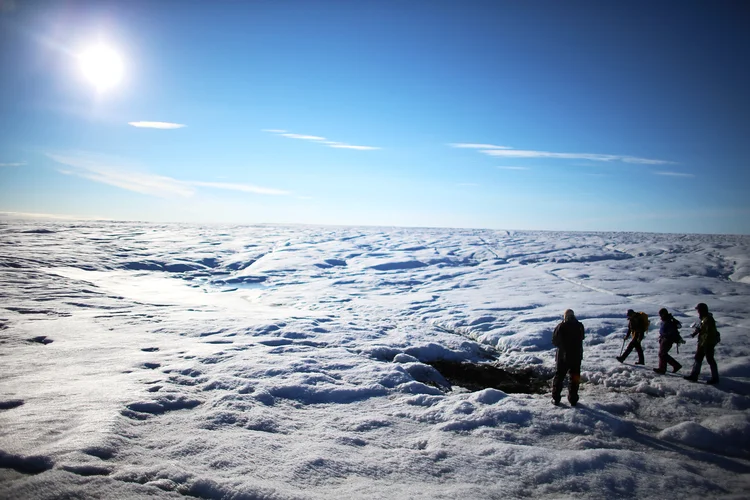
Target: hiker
708,337
568,338
637,327
669,334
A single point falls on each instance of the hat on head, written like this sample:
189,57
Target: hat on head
630,312
701,308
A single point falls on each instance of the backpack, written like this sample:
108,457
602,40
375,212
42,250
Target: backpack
676,337
718,335
643,320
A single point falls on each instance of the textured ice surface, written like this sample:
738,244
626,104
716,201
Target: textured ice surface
142,360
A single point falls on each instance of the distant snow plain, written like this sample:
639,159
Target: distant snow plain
292,362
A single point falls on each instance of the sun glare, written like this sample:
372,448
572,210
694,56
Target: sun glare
101,66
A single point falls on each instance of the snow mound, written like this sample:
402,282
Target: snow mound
729,434
737,367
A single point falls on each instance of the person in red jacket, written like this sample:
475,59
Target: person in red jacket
568,338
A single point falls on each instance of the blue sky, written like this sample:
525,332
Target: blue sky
622,116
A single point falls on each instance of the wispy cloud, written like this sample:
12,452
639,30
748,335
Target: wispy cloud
524,153
509,152
320,140
476,146
513,168
115,172
247,188
303,137
674,174
112,172
16,164
159,125
342,145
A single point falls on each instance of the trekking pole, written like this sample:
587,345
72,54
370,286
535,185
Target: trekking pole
623,344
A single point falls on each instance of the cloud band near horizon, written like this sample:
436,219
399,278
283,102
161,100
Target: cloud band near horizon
114,173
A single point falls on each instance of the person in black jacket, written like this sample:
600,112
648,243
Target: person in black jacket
568,338
636,330
708,337
669,334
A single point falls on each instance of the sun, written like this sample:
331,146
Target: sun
101,66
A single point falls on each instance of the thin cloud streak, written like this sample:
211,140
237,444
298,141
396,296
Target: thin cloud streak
159,125
320,140
247,188
674,174
303,137
352,146
523,153
103,171
114,173
16,164
477,146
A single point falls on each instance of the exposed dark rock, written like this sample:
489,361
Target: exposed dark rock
479,376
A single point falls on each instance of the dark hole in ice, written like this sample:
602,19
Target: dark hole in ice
479,376
10,404
88,470
41,339
25,465
100,452
232,284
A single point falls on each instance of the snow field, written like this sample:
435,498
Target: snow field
294,362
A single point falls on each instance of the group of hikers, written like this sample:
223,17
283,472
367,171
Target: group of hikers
568,338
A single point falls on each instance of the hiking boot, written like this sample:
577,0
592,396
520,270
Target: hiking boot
555,400
712,381
639,363
660,371
675,369
620,359
690,378
573,400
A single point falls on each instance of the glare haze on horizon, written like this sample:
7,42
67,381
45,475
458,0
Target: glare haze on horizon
582,116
